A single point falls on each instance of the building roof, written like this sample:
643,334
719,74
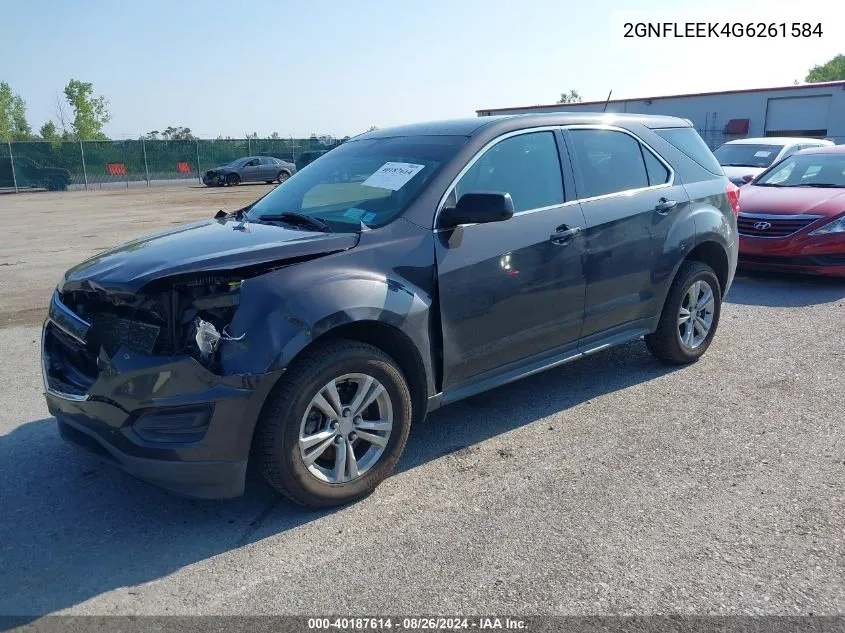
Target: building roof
823,84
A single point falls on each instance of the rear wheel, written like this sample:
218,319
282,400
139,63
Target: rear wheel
690,315
337,425
233,179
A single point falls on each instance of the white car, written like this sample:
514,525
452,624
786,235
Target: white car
745,158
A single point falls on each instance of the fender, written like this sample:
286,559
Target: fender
284,311
708,220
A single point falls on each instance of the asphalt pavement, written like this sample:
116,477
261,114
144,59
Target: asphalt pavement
612,485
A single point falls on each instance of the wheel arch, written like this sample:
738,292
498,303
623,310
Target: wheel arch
714,255
393,342
383,336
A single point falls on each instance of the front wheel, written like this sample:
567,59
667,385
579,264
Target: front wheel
336,426
233,179
690,316
283,175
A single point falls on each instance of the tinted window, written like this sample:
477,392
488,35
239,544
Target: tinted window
690,143
657,172
609,161
268,161
525,166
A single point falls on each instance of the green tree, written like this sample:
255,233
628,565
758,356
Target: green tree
13,123
570,97
177,133
49,132
90,113
833,70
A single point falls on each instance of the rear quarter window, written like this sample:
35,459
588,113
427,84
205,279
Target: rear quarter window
687,140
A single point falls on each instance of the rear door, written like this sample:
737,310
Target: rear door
629,199
269,168
515,289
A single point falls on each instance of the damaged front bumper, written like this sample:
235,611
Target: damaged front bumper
165,419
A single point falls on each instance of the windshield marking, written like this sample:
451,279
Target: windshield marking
392,176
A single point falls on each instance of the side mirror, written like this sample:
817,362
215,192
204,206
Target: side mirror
477,208
747,178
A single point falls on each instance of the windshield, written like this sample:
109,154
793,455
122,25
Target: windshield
746,155
237,163
807,170
370,181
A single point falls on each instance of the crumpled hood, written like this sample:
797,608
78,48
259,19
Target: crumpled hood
209,245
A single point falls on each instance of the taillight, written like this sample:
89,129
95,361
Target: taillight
732,192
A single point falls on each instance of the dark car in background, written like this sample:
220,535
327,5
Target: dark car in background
250,169
306,158
793,215
308,330
28,173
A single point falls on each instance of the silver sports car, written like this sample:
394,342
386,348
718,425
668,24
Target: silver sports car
250,169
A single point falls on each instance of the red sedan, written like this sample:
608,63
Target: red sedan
793,215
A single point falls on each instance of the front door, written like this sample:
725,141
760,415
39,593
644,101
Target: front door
511,290
251,171
630,202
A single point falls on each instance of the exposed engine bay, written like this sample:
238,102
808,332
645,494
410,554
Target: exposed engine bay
168,317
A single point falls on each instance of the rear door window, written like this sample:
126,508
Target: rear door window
610,162
657,172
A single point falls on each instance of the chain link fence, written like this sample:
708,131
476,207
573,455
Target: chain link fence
64,165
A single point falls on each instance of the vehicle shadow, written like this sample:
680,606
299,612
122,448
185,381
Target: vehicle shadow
784,290
74,528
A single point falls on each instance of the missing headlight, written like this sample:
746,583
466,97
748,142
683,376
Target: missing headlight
208,337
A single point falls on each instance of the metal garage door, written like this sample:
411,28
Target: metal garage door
798,116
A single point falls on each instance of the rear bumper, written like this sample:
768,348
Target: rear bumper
167,420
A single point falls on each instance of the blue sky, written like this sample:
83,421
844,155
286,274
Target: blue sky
338,67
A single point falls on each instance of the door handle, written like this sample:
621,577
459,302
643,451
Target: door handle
563,234
663,205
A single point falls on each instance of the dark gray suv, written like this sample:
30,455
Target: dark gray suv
404,270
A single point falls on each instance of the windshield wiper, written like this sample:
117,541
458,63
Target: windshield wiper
769,184
816,184
297,219
738,165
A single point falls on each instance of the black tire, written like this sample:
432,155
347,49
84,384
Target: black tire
268,182
283,175
233,179
277,436
665,342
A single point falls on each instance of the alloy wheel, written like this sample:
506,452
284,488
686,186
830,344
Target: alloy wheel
695,317
345,428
